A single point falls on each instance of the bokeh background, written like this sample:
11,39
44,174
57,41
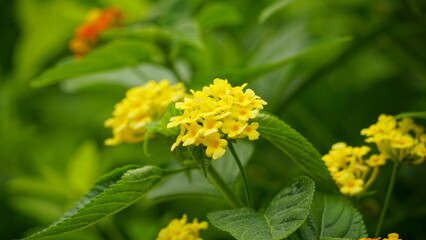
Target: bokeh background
343,64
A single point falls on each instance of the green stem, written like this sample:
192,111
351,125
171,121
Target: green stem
223,187
387,199
247,192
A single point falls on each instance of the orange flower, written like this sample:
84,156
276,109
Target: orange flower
87,34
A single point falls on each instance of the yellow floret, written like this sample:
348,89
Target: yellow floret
217,112
215,145
393,236
376,160
352,187
179,229
141,106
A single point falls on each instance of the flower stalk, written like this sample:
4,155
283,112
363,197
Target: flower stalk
223,187
387,198
249,200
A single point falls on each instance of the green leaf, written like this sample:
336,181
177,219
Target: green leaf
111,194
331,217
115,55
286,213
186,31
125,77
37,47
249,74
160,126
272,9
82,167
181,185
218,14
421,114
294,146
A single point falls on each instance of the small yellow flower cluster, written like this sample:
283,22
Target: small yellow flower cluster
217,112
391,236
179,229
141,106
349,168
401,141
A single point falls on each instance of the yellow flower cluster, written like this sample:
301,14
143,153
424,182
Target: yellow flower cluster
391,236
401,141
349,168
217,112
179,229
141,106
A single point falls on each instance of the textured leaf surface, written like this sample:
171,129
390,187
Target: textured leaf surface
295,146
286,213
115,55
331,217
112,193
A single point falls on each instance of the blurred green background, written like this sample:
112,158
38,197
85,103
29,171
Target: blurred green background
328,68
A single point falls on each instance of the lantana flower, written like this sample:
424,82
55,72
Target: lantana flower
350,168
391,236
87,34
179,229
217,113
141,106
401,140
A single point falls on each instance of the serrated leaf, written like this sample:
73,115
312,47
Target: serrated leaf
421,114
286,213
112,193
115,55
331,217
272,9
181,185
294,146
